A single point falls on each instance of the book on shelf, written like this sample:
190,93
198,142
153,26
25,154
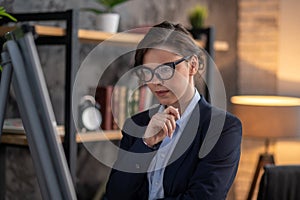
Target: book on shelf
103,96
13,125
120,111
114,107
120,102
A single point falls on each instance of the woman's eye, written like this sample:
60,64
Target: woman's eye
147,72
165,69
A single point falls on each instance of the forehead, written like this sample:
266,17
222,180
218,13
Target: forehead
159,56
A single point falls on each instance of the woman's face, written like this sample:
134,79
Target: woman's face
177,90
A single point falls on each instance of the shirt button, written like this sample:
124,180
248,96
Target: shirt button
137,166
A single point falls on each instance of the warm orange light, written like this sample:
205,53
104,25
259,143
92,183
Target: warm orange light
255,100
268,116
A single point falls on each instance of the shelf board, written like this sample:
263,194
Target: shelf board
94,36
20,138
14,139
91,36
99,136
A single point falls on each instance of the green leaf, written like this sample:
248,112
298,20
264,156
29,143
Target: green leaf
197,16
110,4
94,10
5,14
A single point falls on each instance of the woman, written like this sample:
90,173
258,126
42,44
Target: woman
185,148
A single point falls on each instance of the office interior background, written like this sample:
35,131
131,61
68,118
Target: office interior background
261,57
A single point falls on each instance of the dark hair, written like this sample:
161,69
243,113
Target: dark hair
172,37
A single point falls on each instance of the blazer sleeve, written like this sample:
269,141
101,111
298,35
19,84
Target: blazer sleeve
214,174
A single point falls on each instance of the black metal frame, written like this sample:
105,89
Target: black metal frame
209,32
264,159
209,47
20,61
70,41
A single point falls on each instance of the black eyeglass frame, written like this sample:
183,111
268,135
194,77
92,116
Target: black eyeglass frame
170,64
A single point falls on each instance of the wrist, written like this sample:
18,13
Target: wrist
153,147
147,143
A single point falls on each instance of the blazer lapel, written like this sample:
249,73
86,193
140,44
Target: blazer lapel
190,136
182,149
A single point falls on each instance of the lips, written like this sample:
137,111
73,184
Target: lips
161,93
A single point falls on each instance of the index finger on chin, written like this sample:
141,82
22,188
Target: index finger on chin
173,111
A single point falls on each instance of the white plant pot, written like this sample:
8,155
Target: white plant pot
108,22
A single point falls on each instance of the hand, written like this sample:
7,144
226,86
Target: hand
161,125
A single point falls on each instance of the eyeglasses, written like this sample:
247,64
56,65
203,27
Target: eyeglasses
164,71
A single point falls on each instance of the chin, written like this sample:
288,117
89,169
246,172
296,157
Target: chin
166,102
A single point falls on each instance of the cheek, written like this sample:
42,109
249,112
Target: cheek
177,84
179,80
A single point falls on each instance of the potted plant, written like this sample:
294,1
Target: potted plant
107,20
3,13
197,16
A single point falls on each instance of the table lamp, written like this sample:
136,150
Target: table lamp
267,117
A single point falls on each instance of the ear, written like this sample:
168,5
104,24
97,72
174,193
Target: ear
194,65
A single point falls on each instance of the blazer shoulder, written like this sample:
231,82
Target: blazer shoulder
216,114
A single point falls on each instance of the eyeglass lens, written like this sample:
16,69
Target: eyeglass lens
163,72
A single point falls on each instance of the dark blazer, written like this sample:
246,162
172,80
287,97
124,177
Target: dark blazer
203,164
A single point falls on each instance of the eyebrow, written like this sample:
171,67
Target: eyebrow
171,62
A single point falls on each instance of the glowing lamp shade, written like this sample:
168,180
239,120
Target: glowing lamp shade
268,116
